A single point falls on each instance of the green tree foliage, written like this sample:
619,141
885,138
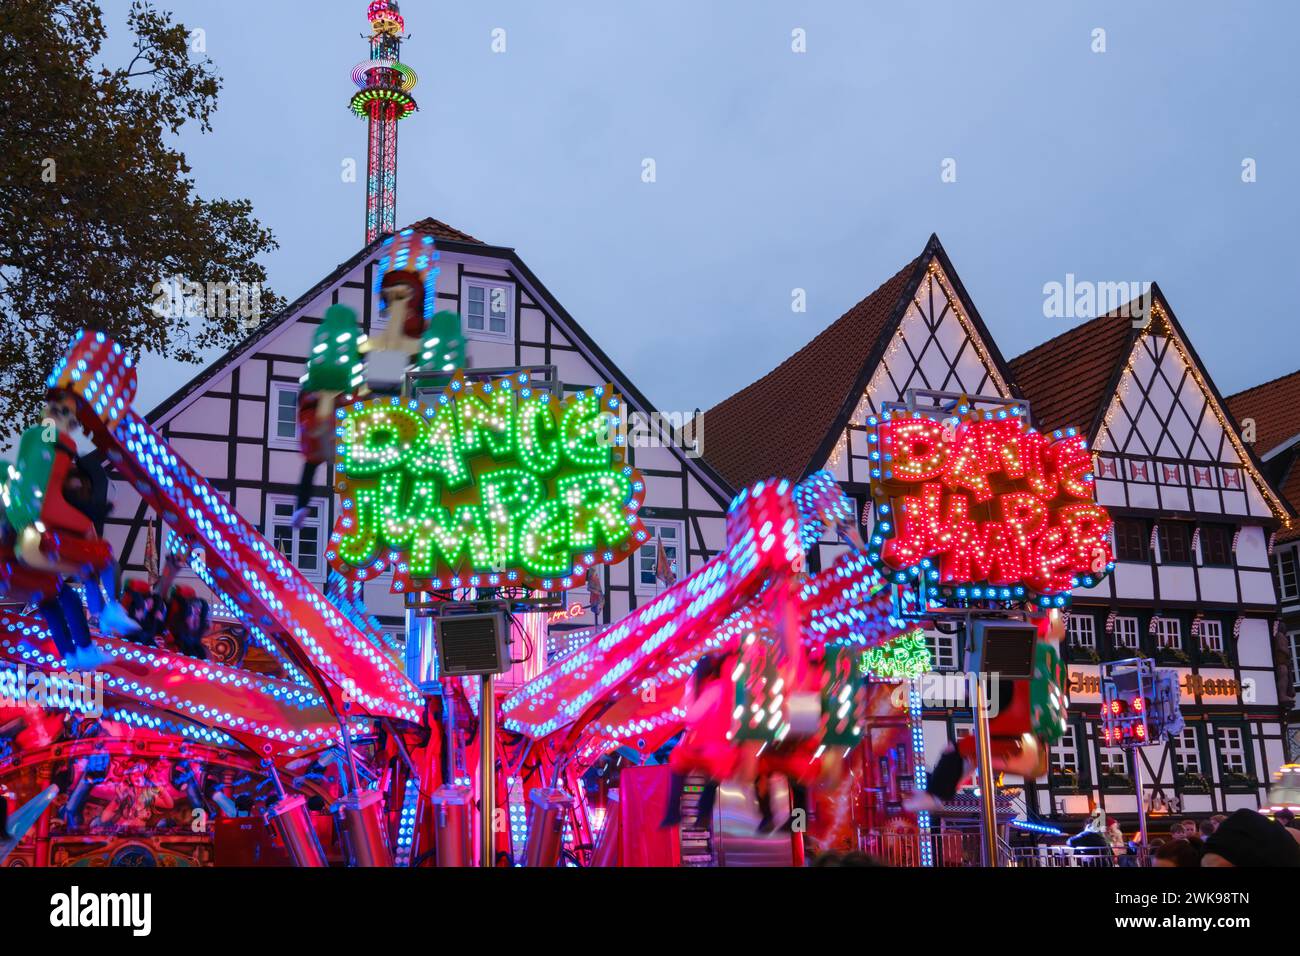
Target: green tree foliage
96,206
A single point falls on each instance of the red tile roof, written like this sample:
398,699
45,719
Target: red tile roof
1275,407
773,427
440,230
1067,380
1289,487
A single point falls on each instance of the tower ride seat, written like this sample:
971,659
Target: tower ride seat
52,534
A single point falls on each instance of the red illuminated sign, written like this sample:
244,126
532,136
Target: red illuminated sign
987,507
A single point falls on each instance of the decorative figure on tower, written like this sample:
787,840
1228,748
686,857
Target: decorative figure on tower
383,97
413,337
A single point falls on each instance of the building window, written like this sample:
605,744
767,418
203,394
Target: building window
580,597
1112,762
1169,634
487,308
1175,539
1132,539
302,546
1232,750
1081,629
671,535
1216,544
1294,637
1212,636
943,650
1288,575
1126,633
1187,752
282,428
1064,754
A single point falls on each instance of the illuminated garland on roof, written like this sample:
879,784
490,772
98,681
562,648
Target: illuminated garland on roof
1229,429
863,410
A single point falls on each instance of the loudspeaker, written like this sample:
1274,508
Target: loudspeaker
472,644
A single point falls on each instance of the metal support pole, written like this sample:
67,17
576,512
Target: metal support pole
450,750
1142,806
43,777
350,764
984,756
401,749
487,720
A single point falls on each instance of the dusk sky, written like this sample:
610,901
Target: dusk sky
778,170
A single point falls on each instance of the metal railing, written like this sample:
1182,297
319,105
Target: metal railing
961,848
1065,856
915,849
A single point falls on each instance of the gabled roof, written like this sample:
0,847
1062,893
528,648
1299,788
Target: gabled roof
771,428
785,424
448,238
1070,379
1289,485
439,230
1275,407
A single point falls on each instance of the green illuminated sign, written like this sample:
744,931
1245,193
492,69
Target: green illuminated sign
903,658
495,484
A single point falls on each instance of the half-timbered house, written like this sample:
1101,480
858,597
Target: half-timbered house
235,421
1194,518
1269,418
918,331
1191,588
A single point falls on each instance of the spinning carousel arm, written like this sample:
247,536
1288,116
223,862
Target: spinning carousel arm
350,667
848,603
23,820
246,705
767,529
762,545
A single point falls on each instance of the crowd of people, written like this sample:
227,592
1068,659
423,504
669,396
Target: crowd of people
1243,838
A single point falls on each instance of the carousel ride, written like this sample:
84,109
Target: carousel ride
301,738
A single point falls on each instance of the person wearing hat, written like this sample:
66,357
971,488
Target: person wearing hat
1248,838
1114,836
1090,843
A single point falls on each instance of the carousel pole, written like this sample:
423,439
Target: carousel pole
988,807
486,767
983,753
42,859
1140,785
